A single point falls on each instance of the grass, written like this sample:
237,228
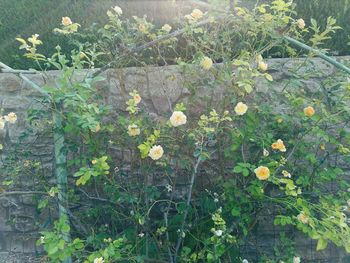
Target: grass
22,18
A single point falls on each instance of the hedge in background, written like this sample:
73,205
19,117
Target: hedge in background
320,10
22,18
17,17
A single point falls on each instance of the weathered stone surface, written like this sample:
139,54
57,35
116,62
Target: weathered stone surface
161,88
10,83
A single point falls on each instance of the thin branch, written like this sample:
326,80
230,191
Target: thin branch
189,198
167,237
17,71
23,193
149,44
318,53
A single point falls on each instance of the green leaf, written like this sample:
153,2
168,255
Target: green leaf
43,203
237,169
321,244
144,150
52,248
245,172
236,211
268,77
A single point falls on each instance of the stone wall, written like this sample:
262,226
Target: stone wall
160,92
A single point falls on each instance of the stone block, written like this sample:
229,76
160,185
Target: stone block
10,84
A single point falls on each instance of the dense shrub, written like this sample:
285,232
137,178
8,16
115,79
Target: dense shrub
248,153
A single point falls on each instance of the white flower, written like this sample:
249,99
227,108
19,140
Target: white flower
118,10
266,153
11,117
178,118
156,152
141,234
218,233
99,260
262,66
2,123
133,130
286,174
296,260
169,188
241,108
107,240
302,217
245,261
166,28
301,23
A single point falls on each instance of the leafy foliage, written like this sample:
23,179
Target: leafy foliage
247,154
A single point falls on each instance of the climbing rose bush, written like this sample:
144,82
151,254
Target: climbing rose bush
190,187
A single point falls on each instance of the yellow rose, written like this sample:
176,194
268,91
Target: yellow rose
241,108
156,152
309,111
99,260
197,14
279,145
118,10
137,98
66,21
262,172
206,63
133,130
178,118
142,28
302,217
286,174
11,117
262,66
166,28
301,23
94,161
